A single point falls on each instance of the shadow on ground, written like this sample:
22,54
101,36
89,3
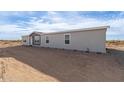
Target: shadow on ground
118,54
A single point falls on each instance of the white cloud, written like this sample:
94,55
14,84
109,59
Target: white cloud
54,21
15,13
11,29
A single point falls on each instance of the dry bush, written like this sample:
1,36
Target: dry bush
115,42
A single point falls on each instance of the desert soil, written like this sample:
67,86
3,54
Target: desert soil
21,63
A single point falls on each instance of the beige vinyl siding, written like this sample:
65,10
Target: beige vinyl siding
92,40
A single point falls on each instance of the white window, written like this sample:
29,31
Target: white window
67,38
37,39
47,39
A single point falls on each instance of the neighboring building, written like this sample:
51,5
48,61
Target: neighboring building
88,39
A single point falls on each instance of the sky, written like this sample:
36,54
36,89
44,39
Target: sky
14,24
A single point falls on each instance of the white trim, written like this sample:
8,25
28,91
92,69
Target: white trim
69,38
47,39
78,30
74,30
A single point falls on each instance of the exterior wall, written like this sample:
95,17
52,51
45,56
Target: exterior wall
84,40
92,40
25,40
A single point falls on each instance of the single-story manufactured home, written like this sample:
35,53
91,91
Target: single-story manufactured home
88,39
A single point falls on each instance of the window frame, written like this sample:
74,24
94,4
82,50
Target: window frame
67,39
47,39
37,41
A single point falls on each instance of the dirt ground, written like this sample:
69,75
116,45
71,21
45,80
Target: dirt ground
21,63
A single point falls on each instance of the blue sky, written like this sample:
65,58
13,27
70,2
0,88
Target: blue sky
15,24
